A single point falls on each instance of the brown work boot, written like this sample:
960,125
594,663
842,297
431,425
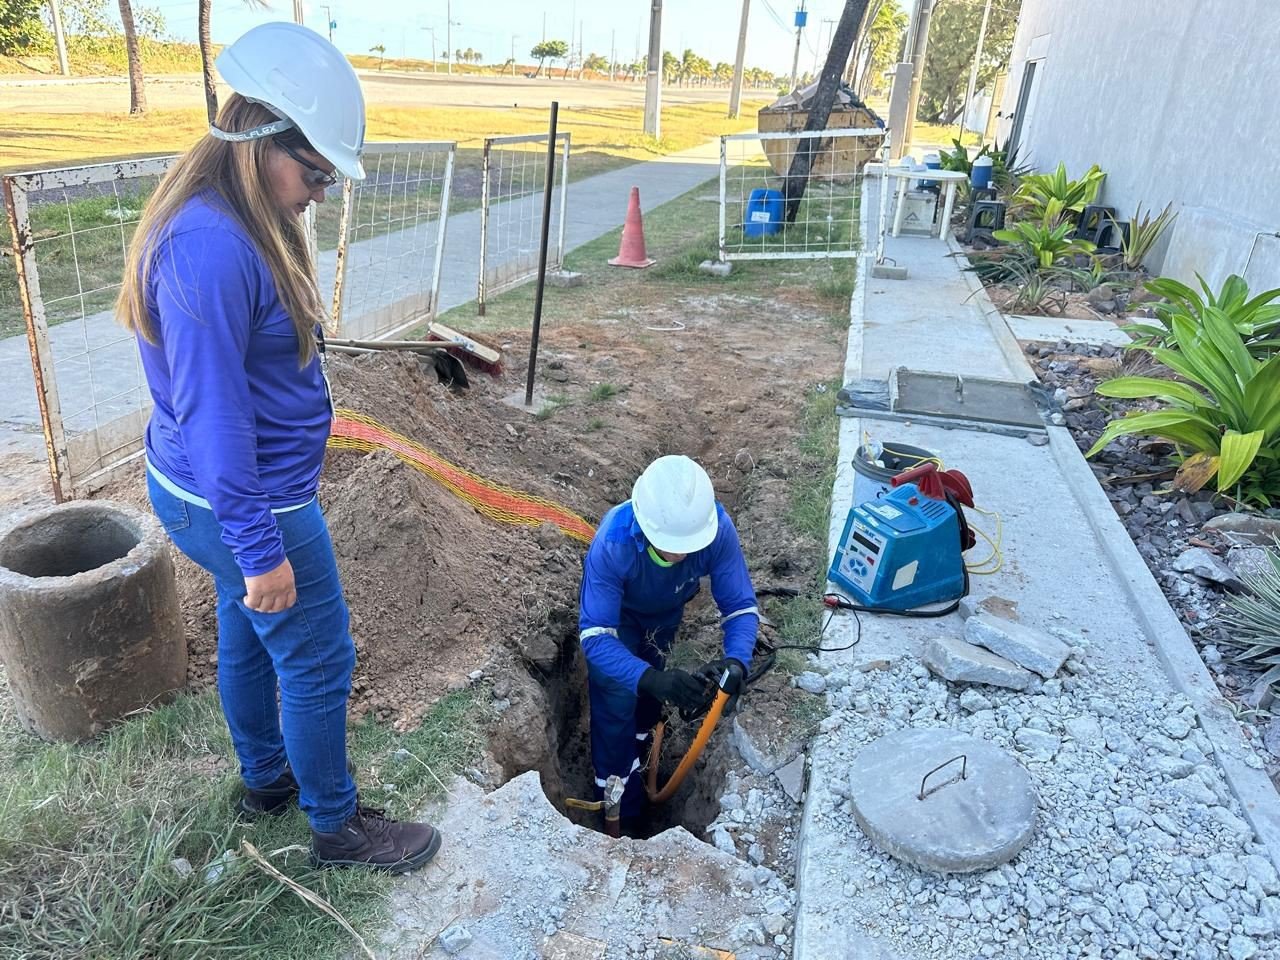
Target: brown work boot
371,839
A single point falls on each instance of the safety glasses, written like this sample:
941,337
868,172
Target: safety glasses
315,178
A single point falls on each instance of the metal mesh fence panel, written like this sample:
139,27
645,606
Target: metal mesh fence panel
71,231
387,240
755,223
513,177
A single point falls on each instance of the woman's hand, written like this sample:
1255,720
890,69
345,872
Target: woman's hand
271,592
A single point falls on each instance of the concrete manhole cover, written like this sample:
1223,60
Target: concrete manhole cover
963,823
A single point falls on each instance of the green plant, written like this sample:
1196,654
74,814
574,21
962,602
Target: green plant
1001,265
1050,197
1037,291
1254,319
1224,414
1044,243
1143,234
604,391
1254,619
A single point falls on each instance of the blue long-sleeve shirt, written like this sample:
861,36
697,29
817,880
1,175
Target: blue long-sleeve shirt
623,586
236,422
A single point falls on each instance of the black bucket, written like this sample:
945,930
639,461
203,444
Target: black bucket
871,481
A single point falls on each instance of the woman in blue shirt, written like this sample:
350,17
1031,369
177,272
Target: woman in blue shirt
220,291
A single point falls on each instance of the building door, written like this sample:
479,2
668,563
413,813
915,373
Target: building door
1024,103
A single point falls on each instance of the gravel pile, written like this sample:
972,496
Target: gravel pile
1140,851
1194,564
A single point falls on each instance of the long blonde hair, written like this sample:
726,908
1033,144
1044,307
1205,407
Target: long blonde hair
237,173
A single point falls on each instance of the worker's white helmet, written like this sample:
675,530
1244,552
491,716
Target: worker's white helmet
303,79
675,505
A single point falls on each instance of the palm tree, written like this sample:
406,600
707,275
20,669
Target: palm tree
137,94
381,51
595,63
723,72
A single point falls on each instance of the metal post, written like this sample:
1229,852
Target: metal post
917,54
485,172
564,199
445,191
59,38
24,259
973,72
724,189
653,79
884,199
735,92
547,190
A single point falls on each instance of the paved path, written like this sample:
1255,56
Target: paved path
1068,563
378,267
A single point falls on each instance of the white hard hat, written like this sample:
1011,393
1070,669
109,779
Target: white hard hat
675,505
305,81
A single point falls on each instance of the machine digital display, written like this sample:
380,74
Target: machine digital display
869,544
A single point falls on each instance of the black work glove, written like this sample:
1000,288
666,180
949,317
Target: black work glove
734,683
713,671
676,687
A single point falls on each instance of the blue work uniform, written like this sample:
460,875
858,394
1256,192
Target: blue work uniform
630,609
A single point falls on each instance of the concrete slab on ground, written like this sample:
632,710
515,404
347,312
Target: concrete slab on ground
525,882
1070,329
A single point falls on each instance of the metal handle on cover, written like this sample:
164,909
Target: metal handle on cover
964,773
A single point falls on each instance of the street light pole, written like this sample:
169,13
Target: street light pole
653,84
735,92
973,72
328,19
448,37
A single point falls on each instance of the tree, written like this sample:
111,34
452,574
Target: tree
21,29
137,93
723,72
880,45
206,59
670,67
549,50
953,40
381,50
595,63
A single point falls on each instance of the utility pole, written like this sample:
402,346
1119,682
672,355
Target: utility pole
59,38
297,12
328,18
823,26
735,92
514,37
448,37
432,31
917,50
544,26
580,53
801,18
653,78
973,72
613,54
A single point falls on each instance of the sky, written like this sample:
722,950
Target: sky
709,27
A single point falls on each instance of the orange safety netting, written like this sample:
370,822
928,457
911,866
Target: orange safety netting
354,431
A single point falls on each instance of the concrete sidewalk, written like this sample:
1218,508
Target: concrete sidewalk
596,205
1116,784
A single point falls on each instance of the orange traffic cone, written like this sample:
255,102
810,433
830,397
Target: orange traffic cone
631,251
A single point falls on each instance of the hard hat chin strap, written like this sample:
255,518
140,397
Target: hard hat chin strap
253,133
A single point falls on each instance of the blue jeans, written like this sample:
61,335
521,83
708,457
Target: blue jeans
305,652
622,720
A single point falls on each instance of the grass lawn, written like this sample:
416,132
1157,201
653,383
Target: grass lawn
89,835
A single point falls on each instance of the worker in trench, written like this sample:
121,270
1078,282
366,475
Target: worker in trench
644,565
220,291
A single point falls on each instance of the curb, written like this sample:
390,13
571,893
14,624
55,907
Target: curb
1008,343
1252,787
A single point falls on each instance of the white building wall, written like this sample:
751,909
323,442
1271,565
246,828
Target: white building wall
1177,100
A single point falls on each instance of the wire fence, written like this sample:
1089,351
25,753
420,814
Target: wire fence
754,219
388,240
513,178
71,230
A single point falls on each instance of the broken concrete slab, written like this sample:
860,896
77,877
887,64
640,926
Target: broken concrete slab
759,758
791,776
994,605
564,278
885,271
953,659
1025,646
716,268
915,804
519,876
1206,565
